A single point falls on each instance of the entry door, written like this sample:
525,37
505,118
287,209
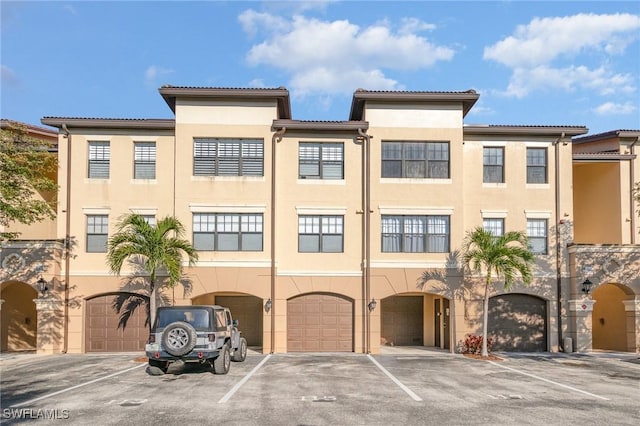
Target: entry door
438,313
446,320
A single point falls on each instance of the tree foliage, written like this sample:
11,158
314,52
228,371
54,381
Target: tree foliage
507,257
26,169
153,250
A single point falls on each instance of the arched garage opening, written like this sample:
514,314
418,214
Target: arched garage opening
416,320
609,318
245,308
103,331
320,322
402,321
19,323
518,323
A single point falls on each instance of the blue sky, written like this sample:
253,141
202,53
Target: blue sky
533,63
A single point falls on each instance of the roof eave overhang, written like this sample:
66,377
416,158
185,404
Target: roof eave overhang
320,126
554,131
603,158
110,123
281,95
468,99
622,134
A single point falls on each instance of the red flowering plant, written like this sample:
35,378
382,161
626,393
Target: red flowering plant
473,344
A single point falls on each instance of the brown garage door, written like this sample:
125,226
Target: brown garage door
518,323
248,311
101,328
319,323
402,320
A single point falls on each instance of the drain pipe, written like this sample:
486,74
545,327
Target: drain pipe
277,137
366,241
558,246
632,178
67,242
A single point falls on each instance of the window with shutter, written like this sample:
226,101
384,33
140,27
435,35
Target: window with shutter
144,160
324,160
228,157
403,159
99,157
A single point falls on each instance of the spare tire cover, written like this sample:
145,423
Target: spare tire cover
179,338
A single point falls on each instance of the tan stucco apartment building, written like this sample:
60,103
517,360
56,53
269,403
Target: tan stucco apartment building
337,235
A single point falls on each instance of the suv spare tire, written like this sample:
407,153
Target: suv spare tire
179,338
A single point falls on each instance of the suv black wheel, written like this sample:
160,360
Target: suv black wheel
240,354
222,363
179,338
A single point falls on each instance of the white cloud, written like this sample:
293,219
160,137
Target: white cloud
413,25
336,56
153,73
612,108
558,53
8,77
601,80
544,39
252,21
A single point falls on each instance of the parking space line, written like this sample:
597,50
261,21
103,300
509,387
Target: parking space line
396,381
31,401
549,381
237,386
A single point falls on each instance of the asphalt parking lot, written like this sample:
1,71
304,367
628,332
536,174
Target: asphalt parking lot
402,387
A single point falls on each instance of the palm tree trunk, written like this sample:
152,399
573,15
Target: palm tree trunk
152,301
485,316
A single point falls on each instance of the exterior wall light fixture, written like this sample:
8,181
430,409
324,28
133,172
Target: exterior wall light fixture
586,286
42,286
267,305
372,305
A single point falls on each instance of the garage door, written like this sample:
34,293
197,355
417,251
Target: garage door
402,320
518,323
319,323
101,328
248,311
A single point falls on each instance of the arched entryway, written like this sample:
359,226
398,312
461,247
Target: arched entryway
103,331
518,323
245,308
609,318
19,320
415,320
320,322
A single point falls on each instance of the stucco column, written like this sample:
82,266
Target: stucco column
49,335
632,311
580,317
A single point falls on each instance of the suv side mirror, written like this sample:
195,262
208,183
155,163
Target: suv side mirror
235,323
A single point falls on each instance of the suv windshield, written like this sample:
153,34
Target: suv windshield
198,318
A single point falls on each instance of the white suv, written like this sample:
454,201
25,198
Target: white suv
198,333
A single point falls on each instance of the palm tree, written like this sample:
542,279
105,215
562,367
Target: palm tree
506,256
154,249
